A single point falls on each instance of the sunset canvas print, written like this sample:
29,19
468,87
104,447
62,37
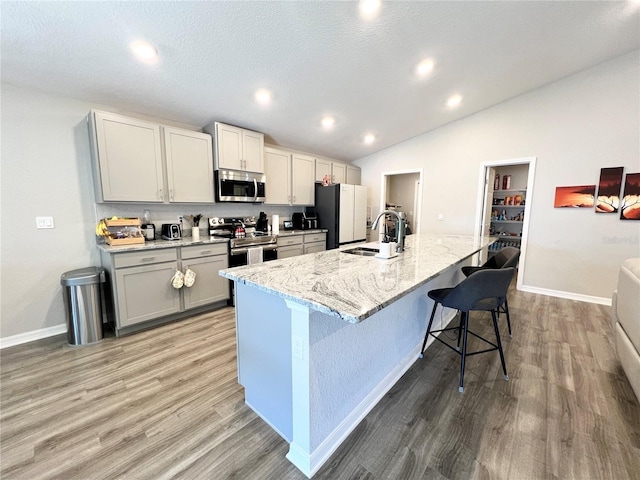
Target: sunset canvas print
630,205
580,196
608,199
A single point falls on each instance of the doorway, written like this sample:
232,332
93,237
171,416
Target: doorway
402,190
506,210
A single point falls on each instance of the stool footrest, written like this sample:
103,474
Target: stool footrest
457,350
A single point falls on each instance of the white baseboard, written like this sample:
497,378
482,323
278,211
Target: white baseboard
309,464
568,295
31,336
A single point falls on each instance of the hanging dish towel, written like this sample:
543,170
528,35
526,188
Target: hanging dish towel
254,255
189,277
177,281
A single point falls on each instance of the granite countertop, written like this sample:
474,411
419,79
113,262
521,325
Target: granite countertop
160,243
355,287
287,233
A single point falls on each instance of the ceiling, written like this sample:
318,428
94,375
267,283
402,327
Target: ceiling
317,57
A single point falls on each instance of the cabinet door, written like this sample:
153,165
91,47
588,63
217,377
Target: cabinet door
129,159
360,213
346,213
145,293
228,146
209,286
339,173
277,171
303,185
292,251
353,175
189,166
323,167
253,151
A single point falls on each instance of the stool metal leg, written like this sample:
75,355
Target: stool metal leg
426,337
465,320
495,329
459,332
506,311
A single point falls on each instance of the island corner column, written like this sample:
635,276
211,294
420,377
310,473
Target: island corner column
300,446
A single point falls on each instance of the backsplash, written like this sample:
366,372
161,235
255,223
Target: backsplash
161,213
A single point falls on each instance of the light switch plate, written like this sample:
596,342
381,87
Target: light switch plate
44,222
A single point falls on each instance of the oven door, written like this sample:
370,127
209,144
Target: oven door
238,256
236,186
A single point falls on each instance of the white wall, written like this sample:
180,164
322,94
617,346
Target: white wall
46,171
574,127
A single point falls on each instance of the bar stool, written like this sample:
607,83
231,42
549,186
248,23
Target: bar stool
505,257
484,290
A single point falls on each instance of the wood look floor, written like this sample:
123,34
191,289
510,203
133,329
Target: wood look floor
165,403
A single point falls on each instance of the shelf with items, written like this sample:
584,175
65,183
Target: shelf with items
507,214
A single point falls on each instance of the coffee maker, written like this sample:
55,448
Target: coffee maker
262,225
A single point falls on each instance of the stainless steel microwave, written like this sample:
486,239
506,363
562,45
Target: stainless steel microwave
237,186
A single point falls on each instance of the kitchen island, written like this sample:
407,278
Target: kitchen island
321,338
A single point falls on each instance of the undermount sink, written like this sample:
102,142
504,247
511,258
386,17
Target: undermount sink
362,251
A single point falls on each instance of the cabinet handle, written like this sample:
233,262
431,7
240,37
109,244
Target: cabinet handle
294,199
147,259
160,194
171,194
204,252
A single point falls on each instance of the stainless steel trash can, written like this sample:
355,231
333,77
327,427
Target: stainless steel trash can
83,293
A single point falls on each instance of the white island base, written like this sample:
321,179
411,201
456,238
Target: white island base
313,376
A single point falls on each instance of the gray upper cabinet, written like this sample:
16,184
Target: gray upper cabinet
353,175
127,157
289,178
133,164
189,166
237,148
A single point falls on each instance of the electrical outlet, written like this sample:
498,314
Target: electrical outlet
180,219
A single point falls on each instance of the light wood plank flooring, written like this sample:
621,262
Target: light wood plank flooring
165,403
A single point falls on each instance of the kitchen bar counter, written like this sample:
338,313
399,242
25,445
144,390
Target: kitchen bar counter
322,337
354,287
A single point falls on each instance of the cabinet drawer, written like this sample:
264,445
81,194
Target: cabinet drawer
315,247
145,258
292,240
204,250
315,237
293,251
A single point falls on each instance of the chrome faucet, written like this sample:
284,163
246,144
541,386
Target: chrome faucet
401,226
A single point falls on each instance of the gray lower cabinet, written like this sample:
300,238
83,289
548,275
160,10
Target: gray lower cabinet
141,282
209,287
294,245
145,293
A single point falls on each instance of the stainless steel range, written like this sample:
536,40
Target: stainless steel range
246,244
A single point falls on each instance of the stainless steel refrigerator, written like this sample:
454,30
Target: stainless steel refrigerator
342,210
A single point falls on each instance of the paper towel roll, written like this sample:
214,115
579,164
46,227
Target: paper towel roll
275,224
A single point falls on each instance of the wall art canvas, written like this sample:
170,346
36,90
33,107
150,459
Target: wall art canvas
580,196
608,199
630,204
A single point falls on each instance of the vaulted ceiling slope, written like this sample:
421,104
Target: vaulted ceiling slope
316,57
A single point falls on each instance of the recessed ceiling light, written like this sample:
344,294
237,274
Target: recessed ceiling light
369,8
454,101
424,67
328,122
144,51
369,138
263,96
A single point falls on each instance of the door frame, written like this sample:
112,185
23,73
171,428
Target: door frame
383,194
480,210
